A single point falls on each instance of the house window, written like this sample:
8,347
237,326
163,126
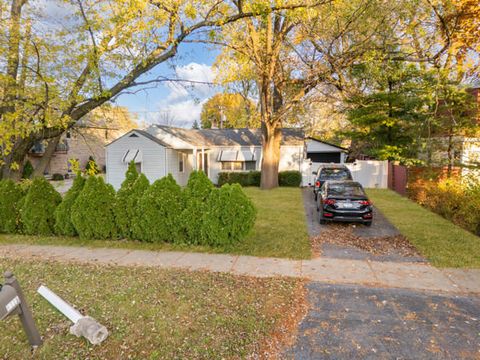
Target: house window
181,162
138,166
238,165
250,165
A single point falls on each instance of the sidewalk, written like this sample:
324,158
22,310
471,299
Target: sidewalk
327,270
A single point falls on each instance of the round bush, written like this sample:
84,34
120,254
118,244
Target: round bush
92,211
228,217
10,195
196,194
38,208
159,211
123,213
63,218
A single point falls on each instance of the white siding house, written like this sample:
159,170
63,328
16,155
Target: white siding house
160,150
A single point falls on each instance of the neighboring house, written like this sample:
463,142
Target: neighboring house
87,138
159,150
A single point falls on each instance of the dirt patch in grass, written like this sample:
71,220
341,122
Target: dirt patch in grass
155,313
342,234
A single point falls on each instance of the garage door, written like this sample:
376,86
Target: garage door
324,157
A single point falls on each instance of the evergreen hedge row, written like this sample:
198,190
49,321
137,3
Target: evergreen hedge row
199,214
291,178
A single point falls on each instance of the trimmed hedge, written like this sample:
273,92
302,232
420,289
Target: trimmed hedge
38,208
10,197
196,195
63,218
250,178
92,211
159,212
229,215
123,210
291,178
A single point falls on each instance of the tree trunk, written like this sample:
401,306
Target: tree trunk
16,156
47,155
450,155
271,137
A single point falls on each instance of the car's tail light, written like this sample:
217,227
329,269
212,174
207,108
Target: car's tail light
317,183
328,214
329,201
367,216
365,202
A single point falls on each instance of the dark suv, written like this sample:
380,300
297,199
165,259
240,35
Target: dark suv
329,172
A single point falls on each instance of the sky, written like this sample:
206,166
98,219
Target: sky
178,104
175,104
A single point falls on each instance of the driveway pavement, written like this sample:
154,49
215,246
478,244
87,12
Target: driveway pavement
354,322
380,228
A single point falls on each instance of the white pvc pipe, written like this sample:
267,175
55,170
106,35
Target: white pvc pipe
65,308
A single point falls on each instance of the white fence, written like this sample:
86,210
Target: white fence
369,173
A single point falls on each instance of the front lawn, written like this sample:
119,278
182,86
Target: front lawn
154,314
442,242
280,231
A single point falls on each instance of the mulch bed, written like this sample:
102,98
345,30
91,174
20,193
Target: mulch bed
342,234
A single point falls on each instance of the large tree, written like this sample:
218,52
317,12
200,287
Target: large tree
56,69
229,110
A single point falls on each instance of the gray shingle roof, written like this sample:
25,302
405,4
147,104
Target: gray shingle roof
231,137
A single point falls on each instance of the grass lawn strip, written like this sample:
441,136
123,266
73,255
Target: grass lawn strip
442,242
153,314
280,231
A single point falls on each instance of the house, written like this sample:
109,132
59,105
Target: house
86,139
159,150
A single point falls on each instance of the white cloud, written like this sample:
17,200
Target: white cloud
183,104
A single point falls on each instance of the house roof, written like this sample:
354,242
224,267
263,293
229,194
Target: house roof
229,137
327,143
144,133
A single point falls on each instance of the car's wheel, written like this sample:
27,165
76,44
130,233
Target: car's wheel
368,223
323,221
315,196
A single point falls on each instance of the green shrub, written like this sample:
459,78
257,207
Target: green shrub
27,170
123,213
63,218
58,177
228,217
38,208
92,211
196,194
291,178
10,195
159,211
250,178
139,187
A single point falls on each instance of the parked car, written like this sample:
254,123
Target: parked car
344,201
330,172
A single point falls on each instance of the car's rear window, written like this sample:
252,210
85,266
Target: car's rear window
334,174
345,190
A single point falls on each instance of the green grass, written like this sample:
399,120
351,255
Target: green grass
279,231
439,240
152,313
